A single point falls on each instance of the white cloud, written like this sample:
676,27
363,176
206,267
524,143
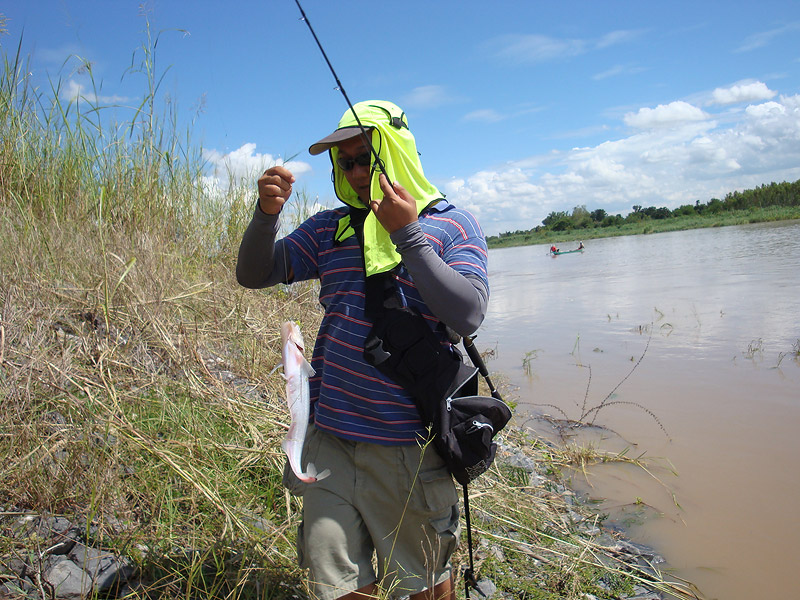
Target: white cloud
612,72
60,56
698,157
491,115
665,115
494,195
617,70
618,37
535,48
487,115
763,38
245,164
745,92
428,96
74,91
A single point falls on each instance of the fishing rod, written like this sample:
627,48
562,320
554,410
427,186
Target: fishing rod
476,359
340,87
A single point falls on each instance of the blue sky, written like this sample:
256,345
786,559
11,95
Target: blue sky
519,108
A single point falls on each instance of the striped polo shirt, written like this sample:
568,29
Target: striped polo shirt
349,397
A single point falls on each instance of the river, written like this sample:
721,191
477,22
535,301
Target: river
705,325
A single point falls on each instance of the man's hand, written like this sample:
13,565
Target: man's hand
397,209
274,189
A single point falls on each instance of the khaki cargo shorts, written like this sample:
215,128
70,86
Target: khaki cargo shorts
386,514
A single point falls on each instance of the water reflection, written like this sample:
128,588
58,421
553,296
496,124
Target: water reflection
719,308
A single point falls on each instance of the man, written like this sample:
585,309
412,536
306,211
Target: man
388,494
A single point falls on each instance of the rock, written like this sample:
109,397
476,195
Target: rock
574,517
135,588
257,522
105,569
59,532
535,481
18,589
497,552
486,588
518,459
56,533
69,581
642,593
629,548
226,376
13,566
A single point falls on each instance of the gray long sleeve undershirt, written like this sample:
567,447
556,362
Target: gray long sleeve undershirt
457,300
262,262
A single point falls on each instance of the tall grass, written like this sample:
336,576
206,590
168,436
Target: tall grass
134,371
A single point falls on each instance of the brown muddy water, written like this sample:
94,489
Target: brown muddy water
713,405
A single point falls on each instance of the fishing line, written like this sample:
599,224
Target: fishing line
340,87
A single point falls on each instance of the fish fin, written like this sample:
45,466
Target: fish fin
311,474
308,368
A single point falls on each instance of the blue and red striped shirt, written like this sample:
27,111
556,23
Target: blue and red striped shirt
349,397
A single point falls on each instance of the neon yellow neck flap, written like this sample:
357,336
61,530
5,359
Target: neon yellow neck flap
397,148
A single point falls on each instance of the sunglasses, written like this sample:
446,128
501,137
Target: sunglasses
347,164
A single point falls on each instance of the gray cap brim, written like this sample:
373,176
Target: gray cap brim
340,135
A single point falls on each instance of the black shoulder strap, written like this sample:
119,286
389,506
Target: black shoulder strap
380,290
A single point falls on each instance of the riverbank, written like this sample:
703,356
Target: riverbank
649,226
142,427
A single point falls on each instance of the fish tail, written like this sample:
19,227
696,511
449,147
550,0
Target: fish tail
311,473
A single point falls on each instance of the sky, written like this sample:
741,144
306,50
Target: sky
519,108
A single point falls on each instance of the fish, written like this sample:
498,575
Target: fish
296,371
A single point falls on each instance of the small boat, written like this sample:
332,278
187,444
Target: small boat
555,251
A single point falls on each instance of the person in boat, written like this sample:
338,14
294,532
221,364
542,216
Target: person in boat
580,245
553,249
387,495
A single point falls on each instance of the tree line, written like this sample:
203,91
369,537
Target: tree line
766,195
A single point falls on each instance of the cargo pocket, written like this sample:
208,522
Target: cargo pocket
431,486
438,489
448,532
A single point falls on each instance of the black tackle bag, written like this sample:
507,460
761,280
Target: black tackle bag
466,425
463,424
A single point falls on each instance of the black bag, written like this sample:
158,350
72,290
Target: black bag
403,347
465,432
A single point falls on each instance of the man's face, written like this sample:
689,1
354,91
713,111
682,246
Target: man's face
359,176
